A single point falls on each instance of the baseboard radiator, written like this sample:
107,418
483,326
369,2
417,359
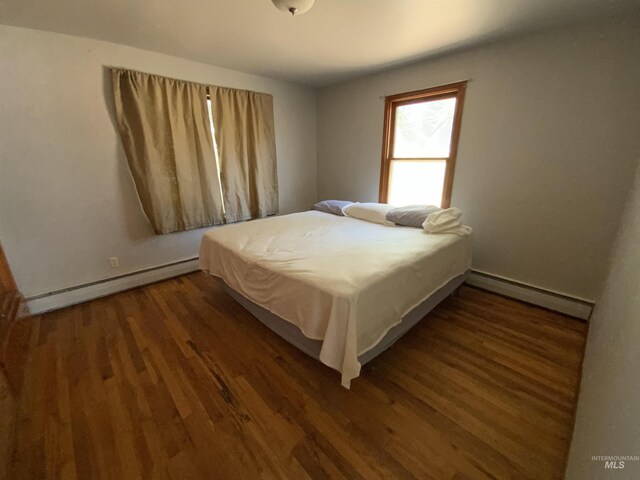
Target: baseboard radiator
575,307
558,302
81,293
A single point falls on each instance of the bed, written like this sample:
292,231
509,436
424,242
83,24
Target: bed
339,288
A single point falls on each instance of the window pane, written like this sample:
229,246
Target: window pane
423,130
414,182
215,149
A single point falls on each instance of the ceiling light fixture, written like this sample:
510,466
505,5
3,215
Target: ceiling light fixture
294,7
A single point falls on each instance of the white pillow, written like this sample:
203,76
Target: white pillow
371,212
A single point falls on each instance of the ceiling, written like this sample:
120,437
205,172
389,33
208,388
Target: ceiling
336,40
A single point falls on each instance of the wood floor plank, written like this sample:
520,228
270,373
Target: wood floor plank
176,380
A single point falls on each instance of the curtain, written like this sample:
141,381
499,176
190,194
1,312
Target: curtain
165,130
245,137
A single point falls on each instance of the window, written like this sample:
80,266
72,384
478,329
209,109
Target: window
421,131
215,148
184,178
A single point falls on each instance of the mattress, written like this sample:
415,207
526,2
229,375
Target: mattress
340,280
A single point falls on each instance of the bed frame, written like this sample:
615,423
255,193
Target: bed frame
292,334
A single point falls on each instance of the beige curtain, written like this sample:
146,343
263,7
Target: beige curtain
165,130
245,137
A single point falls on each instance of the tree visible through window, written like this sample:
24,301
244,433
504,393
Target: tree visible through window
421,131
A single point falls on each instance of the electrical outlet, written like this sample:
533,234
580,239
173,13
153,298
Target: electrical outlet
114,262
23,311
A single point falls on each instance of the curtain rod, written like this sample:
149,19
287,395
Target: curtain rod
435,86
122,69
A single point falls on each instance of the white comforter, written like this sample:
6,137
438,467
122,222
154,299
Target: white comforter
341,280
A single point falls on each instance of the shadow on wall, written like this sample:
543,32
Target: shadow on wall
138,226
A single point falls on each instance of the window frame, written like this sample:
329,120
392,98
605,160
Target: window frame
392,102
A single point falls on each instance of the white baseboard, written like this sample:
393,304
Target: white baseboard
82,293
576,307
558,302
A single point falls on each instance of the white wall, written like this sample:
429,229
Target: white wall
548,142
607,420
67,200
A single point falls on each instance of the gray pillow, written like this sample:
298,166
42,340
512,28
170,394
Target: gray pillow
332,206
411,215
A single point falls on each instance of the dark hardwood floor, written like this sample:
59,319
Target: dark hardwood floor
176,380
